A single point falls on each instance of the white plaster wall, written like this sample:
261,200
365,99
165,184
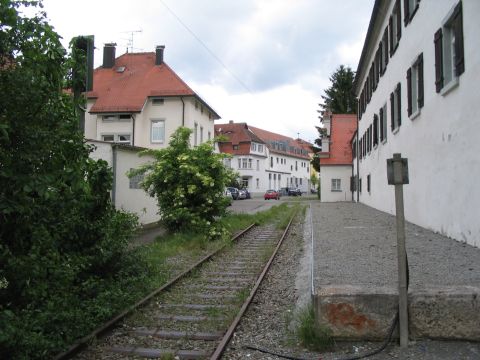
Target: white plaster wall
441,144
327,173
133,200
193,116
90,122
102,150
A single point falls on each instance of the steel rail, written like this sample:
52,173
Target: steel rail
82,343
226,338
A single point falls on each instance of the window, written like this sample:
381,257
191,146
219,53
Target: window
135,181
239,163
209,136
115,118
244,163
118,138
260,148
415,86
195,135
277,160
383,123
201,134
158,102
395,26
296,165
157,131
258,164
360,185
410,8
258,182
253,147
368,183
375,130
228,163
395,108
300,181
449,59
384,52
235,147
250,161
271,161
336,185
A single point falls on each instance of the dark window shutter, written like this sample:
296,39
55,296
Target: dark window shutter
420,80
379,61
375,129
406,12
438,38
374,76
399,20
390,34
381,124
458,30
385,36
409,91
392,110
399,107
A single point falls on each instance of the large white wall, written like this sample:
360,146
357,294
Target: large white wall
329,172
441,144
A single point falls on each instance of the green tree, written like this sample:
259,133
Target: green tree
339,97
188,184
60,236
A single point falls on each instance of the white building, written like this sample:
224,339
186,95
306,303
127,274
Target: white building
138,99
417,83
335,159
137,102
265,160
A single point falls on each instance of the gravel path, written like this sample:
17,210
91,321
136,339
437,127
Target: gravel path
356,245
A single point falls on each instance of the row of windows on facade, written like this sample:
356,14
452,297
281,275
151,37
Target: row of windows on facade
283,161
353,184
282,146
449,65
247,163
157,134
386,48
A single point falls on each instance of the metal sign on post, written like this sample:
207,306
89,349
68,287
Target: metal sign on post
397,174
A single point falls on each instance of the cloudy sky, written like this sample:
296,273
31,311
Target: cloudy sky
264,62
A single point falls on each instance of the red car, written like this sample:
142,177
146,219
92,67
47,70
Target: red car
272,194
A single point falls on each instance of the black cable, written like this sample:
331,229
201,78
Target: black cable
266,351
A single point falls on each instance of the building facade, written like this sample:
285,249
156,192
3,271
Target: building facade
137,99
417,88
336,169
264,160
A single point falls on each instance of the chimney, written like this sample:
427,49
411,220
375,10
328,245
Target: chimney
109,55
159,54
230,122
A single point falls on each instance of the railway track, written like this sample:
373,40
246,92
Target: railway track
195,316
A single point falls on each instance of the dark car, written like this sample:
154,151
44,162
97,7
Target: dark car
234,192
294,192
271,194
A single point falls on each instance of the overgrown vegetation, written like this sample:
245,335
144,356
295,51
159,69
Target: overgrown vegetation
309,333
188,183
64,264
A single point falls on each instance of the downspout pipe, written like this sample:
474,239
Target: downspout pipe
358,156
133,129
183,110
114,170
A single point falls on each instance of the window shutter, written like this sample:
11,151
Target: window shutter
409,91
399,107
406,12
390,34
375,129
381,124
420,80
399,21
458,30
438,60
379,62
392,110
385,36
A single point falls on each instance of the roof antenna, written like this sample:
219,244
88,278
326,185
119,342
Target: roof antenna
130,39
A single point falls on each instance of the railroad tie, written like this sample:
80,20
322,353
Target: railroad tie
175,335
157,353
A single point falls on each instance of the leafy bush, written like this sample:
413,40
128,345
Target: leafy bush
63,246
188,184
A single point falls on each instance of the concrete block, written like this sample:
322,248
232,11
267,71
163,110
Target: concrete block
448,312
356,312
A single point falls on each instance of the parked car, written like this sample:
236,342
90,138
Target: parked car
283,191
247,194
242,194
271,194
229,196
294,192
234,192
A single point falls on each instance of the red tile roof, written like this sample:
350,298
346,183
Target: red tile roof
128,90
237,134
341,131
269,137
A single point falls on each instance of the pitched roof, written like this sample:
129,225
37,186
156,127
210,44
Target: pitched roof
236,133
269,137
134,77
342,129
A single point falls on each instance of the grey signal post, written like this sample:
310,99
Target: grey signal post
397,173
